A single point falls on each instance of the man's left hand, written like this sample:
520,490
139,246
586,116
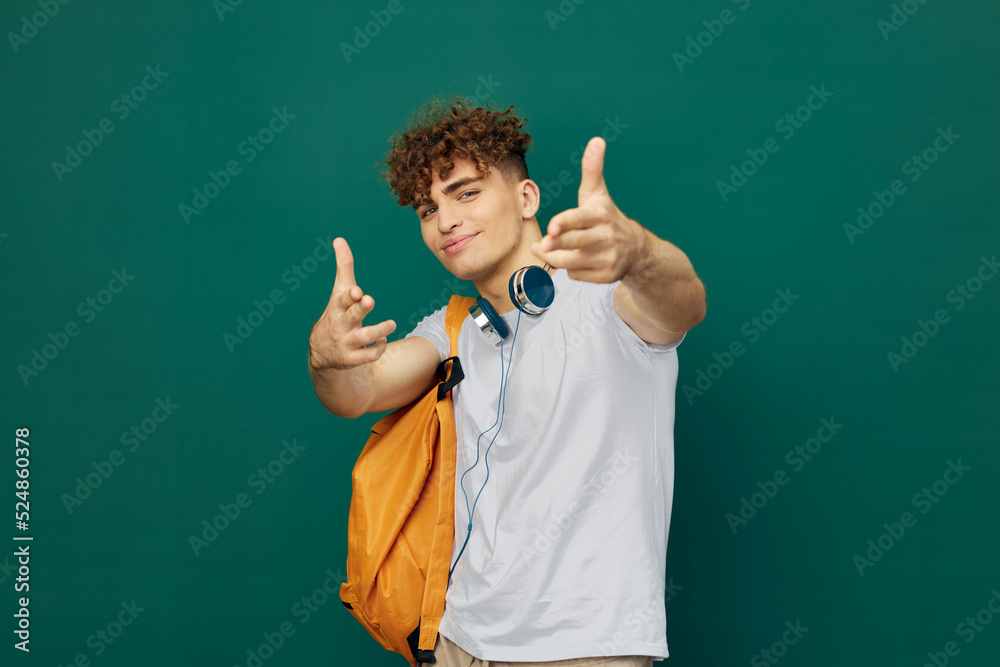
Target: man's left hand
595,241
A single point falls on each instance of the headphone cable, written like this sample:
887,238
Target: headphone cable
503,404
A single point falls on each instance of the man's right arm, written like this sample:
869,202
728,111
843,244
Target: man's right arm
403,373
353,369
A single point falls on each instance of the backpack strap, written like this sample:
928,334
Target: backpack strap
424,637
458,309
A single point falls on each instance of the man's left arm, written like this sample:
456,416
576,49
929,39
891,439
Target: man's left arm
660,297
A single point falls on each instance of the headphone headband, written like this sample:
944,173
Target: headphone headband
531,290
489,321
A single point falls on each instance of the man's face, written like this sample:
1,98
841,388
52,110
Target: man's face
473,223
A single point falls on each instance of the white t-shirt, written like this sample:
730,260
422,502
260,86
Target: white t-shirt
567,553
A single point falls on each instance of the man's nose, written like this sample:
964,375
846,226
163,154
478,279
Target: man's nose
448,219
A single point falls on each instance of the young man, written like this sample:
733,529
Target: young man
567,474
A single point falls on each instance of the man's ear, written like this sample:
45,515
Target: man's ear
530,198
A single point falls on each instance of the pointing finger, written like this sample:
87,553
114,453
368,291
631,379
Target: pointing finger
367,335
574,239
575,218
568,259
364,355
551,257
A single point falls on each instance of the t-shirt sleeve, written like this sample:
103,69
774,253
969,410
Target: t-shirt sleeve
432,328
606,306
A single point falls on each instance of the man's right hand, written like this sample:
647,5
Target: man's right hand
338,340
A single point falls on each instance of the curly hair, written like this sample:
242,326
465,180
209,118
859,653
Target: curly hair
441,131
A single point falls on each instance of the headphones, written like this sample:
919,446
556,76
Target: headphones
531,291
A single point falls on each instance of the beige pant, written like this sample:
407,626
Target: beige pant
449,654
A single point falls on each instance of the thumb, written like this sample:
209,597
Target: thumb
345,264
592,179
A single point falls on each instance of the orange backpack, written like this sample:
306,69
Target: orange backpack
402,518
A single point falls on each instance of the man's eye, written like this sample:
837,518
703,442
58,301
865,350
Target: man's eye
431,209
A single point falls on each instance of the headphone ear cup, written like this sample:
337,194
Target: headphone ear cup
489,321
531,289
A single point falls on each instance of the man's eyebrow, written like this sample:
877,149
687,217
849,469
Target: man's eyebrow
448,189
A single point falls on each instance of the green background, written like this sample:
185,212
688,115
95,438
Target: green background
162,336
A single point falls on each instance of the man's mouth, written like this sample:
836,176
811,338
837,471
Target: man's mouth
451,246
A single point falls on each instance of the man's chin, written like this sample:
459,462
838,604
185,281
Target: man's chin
462,274
463,270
